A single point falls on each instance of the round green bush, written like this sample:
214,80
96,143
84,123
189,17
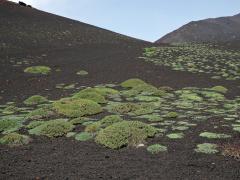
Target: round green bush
172,115
82,73
220,89
35,100
125,133
96,97
84,136
207,148
105,122
130,83
156,148
76,107
14,139
38,70
53,128
10,124
41,113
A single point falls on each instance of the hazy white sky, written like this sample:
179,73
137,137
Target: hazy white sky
143,19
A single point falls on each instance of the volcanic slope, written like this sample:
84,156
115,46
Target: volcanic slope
81,56
223,29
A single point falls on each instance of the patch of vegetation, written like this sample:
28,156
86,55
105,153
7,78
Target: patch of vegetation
53,128
172,115
131,83
211,135
38,70
79,120
82,73
10,124
84,136
35,100
70,86
191,97
41,113
156,148
175,135
219,89
152,117
236,128
96,97
180,128
103,123
76,107
102,91
14,139
71,134
207,148
197,58
132,108
10,109
34,124
125,133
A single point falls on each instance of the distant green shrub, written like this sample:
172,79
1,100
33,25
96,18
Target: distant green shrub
211,135
213,96
53,128
82,73
156,148
10,124
207,148
101,90
132,83
38,70
35,100
41,113
14,139
79,120
84,136
172,115
105,122
76,107
96,97
125,133
11,109
150,52
220,89
236,129
34,124
175,135
132,108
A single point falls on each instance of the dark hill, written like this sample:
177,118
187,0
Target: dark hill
24,27
223,29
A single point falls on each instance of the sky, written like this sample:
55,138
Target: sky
143,19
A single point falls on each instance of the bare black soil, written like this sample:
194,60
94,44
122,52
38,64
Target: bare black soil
109,59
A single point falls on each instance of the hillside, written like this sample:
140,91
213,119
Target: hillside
223,29
81,102
25,28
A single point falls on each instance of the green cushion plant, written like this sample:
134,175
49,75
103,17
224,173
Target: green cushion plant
212,135
53,128
84,136
207,148
105,122
156,148
219,89
76,107
38,70
125,133
14,139
94,96
35,100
